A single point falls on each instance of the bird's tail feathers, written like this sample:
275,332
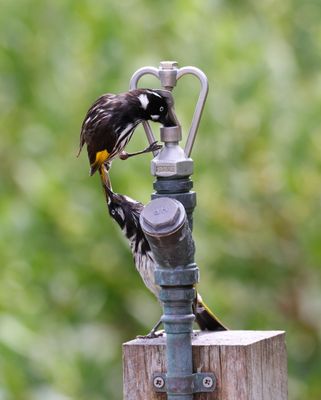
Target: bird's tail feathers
205,318
79,151
81,143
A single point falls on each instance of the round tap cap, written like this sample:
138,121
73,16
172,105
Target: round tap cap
163,216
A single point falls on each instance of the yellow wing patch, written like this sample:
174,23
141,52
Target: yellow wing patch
101,157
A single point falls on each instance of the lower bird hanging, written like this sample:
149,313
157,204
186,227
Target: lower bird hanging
126,212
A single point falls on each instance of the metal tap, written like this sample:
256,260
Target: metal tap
172,166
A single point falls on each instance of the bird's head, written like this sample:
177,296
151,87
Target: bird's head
158,106
124,210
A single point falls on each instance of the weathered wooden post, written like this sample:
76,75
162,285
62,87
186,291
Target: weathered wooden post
230,365
248,365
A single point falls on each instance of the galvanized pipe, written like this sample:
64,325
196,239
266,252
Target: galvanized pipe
166,228
167,222
173,170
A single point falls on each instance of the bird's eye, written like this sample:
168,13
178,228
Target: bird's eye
161,108
113,212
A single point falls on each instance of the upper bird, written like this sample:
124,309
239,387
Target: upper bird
110,122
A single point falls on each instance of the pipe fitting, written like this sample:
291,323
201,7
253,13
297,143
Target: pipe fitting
166,228
162,216
168,74
171,161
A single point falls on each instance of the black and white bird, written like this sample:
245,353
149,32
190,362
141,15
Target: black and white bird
110,122
126,212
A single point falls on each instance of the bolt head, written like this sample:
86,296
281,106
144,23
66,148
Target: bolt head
207,382
158,382
168,65
161,213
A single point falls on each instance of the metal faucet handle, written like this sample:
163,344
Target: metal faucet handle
168,73
199,105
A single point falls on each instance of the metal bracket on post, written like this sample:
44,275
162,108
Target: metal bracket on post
200,382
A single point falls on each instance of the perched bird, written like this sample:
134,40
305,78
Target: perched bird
126,211
110,122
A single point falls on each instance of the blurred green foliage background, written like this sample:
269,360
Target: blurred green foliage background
69,294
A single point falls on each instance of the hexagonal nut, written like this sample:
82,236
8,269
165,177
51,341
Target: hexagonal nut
162,212
172,168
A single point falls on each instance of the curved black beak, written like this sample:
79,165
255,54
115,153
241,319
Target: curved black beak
106,183
170,119
109,193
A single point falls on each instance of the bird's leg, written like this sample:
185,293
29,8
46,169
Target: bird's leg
152,147
152,334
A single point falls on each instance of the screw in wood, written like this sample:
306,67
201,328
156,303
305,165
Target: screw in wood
158,382
207,382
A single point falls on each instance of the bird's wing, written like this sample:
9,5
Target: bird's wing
92,118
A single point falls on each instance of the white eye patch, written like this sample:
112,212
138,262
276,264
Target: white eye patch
143,100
